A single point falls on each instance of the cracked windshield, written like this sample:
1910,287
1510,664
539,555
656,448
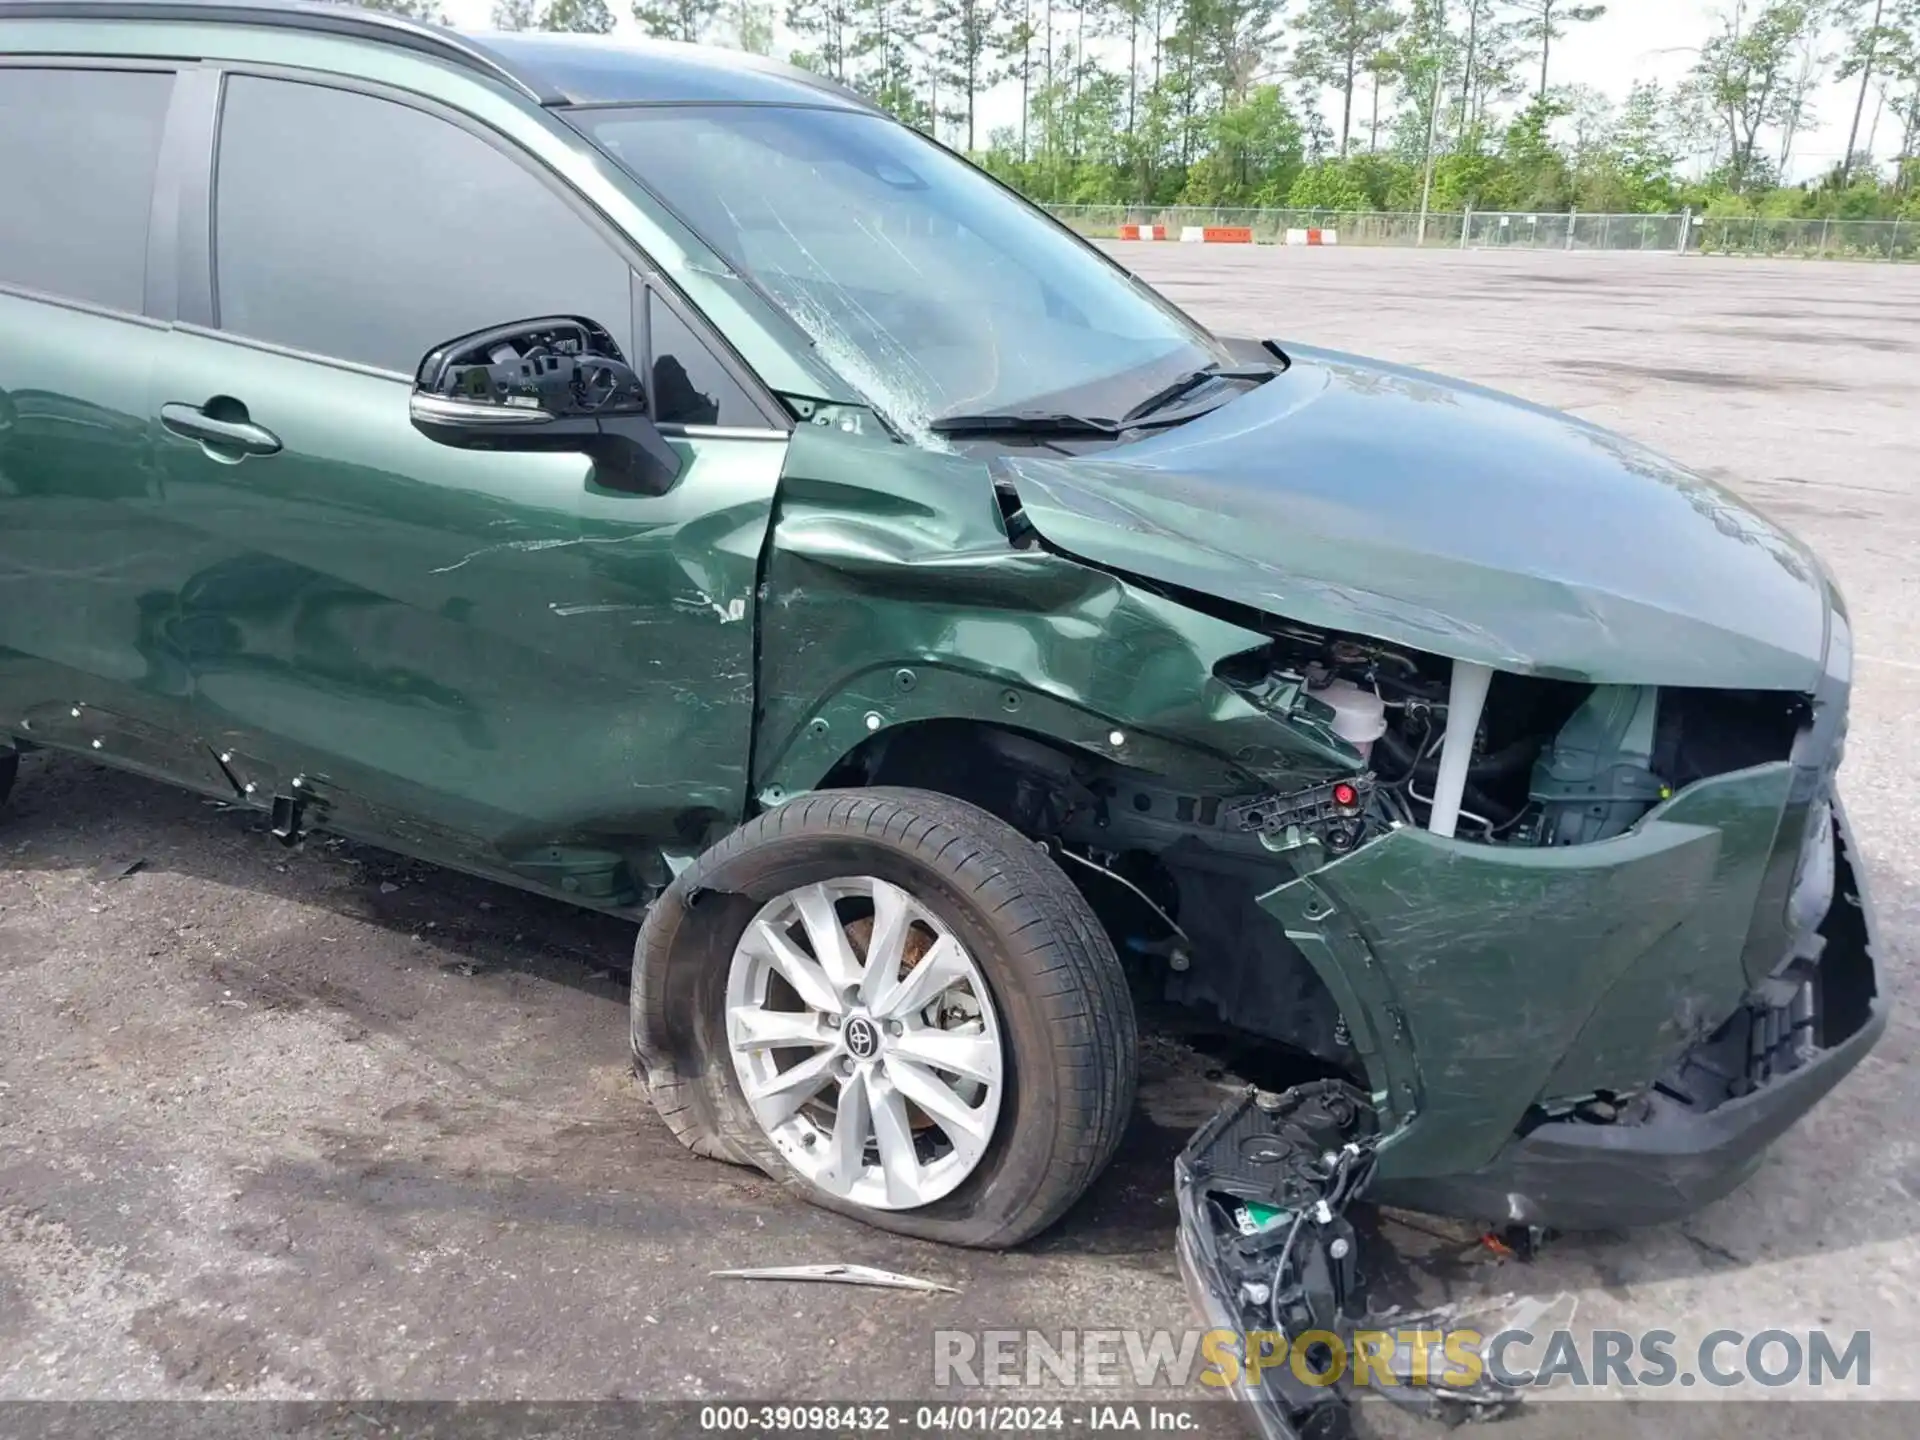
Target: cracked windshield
918,278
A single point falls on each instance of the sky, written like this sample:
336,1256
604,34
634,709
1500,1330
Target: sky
1635,40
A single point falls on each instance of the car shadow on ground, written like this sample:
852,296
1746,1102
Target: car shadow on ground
66,814
69,816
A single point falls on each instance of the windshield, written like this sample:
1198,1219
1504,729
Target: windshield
927,285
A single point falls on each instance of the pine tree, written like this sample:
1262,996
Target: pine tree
1745,74
748,26
1542,22
1491,68
1382,67
1868,42
964,39
1477,17
883,43
1338,40
675,19
826,27
1901,64
1642,146
579,17
1016,55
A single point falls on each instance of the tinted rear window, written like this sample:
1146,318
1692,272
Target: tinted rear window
78,149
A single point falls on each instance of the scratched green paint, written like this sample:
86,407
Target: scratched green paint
1487,977
885,557
493,663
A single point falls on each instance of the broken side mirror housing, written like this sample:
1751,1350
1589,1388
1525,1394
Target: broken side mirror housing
555,385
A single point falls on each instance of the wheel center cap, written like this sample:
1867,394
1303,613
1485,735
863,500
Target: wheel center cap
862,1038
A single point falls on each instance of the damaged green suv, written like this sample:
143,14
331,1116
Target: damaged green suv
653,477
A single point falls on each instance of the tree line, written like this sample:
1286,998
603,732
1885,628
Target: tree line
1353,104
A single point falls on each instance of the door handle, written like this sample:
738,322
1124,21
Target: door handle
222,426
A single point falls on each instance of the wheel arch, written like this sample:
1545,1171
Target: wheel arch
894,706
1245,967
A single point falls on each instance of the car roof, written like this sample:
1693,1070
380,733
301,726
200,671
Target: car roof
597,70
555,69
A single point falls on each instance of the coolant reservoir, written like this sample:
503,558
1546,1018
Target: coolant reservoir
1359,716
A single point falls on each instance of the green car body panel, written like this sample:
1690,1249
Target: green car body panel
1490,978
487,650
900,600
491,662
1389,502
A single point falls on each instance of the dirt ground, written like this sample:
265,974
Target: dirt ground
325,1123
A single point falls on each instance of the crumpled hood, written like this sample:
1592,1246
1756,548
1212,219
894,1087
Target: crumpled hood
1387,502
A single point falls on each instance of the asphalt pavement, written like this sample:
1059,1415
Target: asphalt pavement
328,1123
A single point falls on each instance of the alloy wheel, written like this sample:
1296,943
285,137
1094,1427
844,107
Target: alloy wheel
865,1041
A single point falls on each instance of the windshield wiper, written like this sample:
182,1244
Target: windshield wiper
1167,394
1054,422
1023,422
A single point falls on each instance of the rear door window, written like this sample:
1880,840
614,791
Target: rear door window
354,227
78,151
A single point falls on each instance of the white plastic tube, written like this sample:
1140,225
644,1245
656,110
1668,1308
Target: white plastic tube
1466,697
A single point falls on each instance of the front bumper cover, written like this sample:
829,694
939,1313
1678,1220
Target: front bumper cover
1303,1155
1706,1125
1568,1175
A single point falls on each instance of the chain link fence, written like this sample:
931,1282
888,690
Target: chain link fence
1683,233
1571,231
1838,239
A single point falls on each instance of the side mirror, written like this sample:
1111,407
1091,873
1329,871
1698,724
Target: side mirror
556,385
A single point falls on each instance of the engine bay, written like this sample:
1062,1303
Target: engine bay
1551,762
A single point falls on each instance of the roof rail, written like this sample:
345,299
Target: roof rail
329,19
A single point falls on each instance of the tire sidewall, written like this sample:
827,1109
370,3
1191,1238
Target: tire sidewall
1026,1130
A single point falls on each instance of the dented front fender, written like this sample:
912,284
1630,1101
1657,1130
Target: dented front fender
894,595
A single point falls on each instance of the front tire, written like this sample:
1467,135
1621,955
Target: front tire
9,767
896,1004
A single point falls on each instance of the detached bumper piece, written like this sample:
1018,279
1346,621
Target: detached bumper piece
1267,1253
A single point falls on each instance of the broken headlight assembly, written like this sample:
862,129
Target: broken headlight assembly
1269,1255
